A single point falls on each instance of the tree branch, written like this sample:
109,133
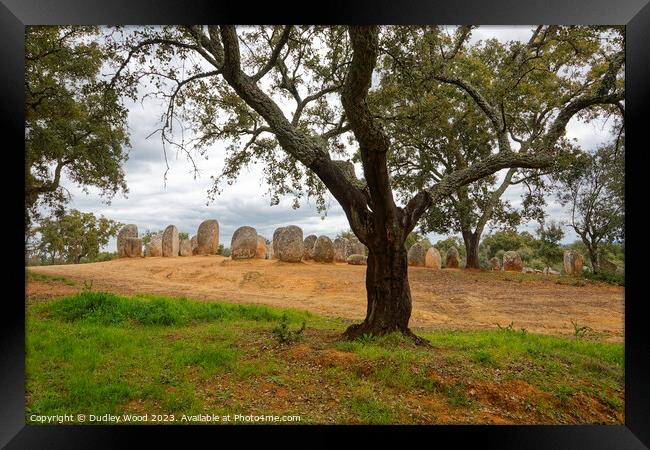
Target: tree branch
473,92
578,104
284,38
306,149
369,133
159,41
492,201
498,124
310,98
373,141
53,185
450,183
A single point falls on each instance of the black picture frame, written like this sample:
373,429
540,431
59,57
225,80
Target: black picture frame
635,14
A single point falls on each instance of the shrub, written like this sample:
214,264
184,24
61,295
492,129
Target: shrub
606,277
527,253
105,256
537,263
284,335
579,331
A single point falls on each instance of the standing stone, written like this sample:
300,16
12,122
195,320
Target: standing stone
195,244
132,247
416,255
355,247
207,237
261,247
357,260
170,243
274,242
244,243
308,247
154,247
432,258
290,245
495,263
512,262
573,263
453,258
341,249
127,231
185,247
323,250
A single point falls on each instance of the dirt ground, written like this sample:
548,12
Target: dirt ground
449,299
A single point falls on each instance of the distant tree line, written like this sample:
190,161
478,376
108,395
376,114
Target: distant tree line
70,237
537,251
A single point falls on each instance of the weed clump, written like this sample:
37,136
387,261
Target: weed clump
284,335
579,332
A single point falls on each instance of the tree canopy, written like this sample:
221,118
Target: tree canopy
448,104
548,248
73,235
595,194
75,124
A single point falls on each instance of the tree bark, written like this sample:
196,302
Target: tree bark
594,257
388,291
472,241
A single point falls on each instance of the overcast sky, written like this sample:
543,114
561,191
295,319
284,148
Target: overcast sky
152,206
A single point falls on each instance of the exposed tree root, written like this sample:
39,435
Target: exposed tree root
358,330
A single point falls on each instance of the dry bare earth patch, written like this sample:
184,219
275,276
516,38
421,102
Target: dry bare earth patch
446,299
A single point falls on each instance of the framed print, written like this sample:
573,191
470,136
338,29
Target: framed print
362,218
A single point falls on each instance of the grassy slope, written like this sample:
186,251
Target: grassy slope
97,353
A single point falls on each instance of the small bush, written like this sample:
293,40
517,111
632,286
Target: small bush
223,251
537,263
579,332
105,256
510,328
606,277
284,335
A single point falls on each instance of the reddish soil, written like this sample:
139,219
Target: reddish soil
449,299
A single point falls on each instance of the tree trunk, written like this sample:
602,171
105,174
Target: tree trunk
388,291
472,241
594,257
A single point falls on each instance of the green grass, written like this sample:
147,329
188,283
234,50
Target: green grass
110,309
34,276
366,408
103,353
